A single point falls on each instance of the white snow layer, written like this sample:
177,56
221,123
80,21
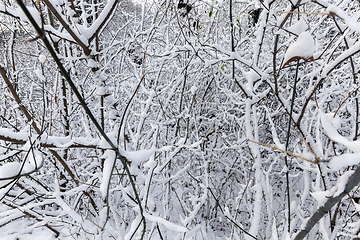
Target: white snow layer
59,142
136,157
167,224
42,58
274,235
303,47
346,159
193,90
19,13
322,196
88,32
9,170
92,63
335,121
298,27
109,157
342,181
333,134
350,22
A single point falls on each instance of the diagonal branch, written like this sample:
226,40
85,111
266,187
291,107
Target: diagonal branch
17,99
352,182
67,27
33,123
103,18
88,112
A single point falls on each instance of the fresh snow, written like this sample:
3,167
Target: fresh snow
344,160
193,90
334,135
185,159
9,170
350,22
322,196
302,48
167,224
42,58
298,27
110,158
92,63
334,120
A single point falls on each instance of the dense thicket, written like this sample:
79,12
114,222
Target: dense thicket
179,119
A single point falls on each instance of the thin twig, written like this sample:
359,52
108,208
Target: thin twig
328,14
66,75
287,152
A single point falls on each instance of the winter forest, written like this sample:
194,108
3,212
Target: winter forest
179,119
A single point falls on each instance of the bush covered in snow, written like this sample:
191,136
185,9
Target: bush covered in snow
189,119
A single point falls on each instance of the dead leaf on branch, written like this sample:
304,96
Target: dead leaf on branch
296,58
